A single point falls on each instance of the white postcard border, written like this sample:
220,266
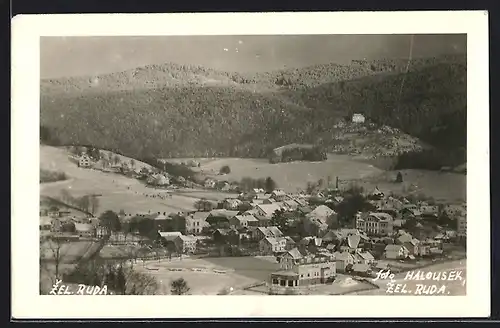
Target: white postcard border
26,31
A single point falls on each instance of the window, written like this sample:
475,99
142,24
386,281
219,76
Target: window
308,274
275,281
290,283
302,276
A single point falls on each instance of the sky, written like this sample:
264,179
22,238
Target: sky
89,56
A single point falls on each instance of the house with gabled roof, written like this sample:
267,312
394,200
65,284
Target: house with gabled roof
196,222
272,245
376,194
231,204
169,236
268,210
85,161
366,257
263,232
304,209
343,260
243,221
333,237
396,252
279,195
410,211
264,221
220,218
361,269
291,204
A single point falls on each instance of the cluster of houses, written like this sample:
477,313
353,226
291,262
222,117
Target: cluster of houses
151,176
328,248
57,222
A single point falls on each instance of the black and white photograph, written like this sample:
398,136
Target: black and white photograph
255,165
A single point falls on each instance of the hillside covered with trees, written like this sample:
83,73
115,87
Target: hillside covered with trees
195,112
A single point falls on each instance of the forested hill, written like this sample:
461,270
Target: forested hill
179,121
188,112
429,103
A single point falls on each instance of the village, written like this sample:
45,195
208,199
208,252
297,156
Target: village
311,237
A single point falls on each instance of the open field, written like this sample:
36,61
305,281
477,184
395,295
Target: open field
290,176
199,274
118,192
450,187
251,267
442,186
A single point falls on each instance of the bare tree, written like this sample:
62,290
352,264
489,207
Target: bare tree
84,203
132,254
52,254
94,204
116,160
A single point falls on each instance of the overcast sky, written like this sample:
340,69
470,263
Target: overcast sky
73,56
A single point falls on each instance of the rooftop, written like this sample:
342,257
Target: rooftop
285,274
83,227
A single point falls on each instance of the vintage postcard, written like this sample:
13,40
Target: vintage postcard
215,165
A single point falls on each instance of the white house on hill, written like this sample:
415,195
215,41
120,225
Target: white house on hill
358,118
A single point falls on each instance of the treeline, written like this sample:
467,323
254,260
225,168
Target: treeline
49,136
174,169
312,154
52,176
247,184
432,159
87,203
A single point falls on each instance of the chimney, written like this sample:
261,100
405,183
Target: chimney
336,182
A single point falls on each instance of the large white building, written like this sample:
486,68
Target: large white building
379,224
298,269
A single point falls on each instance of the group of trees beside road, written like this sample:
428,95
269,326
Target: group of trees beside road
247,184
86,203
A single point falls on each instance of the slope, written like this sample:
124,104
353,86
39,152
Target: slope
184,119
180,121
431,105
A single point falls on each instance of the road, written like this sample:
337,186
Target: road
401,286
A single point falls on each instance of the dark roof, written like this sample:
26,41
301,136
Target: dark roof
304,209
